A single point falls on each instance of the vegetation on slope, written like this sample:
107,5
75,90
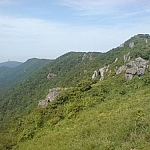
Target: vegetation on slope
10,64
111,114
12,76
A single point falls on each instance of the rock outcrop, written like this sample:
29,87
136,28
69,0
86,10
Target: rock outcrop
95,74
50,75
100,72
53,93
131,45
116,60
121,69
136,67
126,57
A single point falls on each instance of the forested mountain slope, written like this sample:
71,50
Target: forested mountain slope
89,114
10,64
12,76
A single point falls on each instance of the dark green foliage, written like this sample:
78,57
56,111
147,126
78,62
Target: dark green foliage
11,76
84,85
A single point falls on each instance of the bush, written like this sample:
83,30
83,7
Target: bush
84,85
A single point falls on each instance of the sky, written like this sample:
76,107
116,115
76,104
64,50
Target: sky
50,28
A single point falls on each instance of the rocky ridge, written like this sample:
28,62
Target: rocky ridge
130,67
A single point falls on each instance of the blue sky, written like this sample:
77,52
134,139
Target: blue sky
50,28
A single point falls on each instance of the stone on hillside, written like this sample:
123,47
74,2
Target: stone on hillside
132,71
53,93
50,75
131,45
140,71
116,60
131,64
127,57
121,69
95,74
141,62
102,71
136,67
128,76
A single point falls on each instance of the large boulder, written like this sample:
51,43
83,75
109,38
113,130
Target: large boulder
141,71
132,71
138,66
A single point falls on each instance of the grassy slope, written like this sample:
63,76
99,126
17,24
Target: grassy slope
120,120
106,115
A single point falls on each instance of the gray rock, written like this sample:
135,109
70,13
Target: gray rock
121,69
95,74
127,57
116,60
131,45
50,75
102,71
128,76
53,93
136,67
140,71
132,71
131,64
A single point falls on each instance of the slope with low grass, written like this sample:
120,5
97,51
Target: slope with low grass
103,117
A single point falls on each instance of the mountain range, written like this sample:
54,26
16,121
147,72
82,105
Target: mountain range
10,64
10,76
89,100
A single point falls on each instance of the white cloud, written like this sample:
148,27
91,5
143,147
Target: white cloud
101,7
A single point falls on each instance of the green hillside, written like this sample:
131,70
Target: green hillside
10,64
89,114
12,76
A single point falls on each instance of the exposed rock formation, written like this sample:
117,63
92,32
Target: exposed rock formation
128,76
137,67
50,76
53,93
116,60
146,41
131,45
100,72
121,69
127,57
133,67
95,74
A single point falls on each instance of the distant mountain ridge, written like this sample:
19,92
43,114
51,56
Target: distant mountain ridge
10,64
12,76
